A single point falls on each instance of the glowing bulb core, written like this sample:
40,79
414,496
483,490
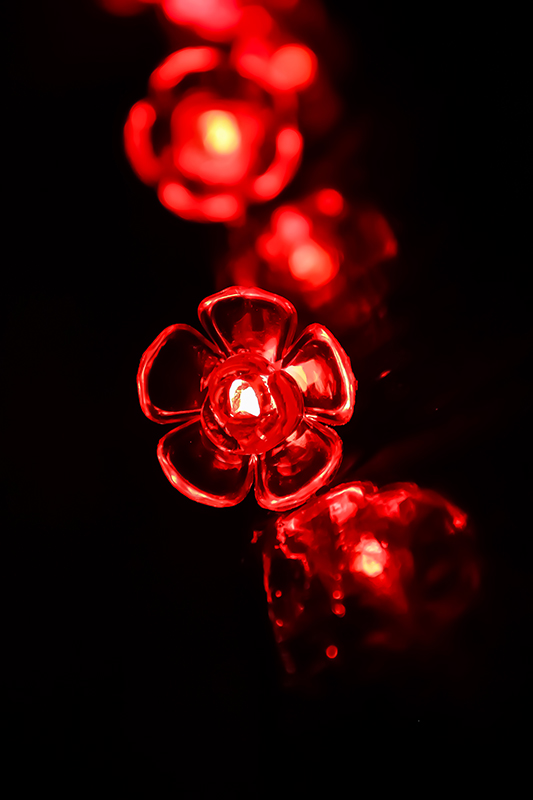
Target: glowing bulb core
220,132
371,559
243,399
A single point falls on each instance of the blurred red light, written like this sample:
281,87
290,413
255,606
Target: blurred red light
213,15
213,141
179,64
291,67
310,262
329,202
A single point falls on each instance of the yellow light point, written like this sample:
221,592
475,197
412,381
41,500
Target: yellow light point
371,558
243,399
371,567
220,132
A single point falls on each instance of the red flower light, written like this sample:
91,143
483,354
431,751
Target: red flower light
322,254
251,403
220,150
394,565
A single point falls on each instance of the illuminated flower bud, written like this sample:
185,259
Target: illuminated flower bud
252,405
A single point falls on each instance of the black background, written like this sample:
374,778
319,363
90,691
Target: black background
137,627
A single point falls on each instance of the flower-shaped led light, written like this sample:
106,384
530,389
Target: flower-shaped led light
250,402
217,146
322,253
360,568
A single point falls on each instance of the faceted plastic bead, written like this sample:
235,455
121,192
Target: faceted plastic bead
255,405
363,570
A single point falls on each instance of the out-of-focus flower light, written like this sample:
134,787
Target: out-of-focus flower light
221,151
323,254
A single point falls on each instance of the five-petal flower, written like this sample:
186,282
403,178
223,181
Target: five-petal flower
216,146
250,402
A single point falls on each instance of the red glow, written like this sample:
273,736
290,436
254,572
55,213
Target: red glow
217,208
292,228
221,208
397,552
179,64
211,15
289,144
331,651
138,143
310,262
254,21
307,261
290,68
245,413
209,168
324,255
329,202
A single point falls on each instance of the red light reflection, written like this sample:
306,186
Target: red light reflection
400,559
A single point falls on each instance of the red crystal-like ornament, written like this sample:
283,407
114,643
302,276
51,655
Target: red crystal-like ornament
252,403
256,404
360,570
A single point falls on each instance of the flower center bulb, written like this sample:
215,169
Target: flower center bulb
220,132
255,403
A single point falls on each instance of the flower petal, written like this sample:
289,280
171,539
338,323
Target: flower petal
200,471
249,319
323,372
289,474
172,377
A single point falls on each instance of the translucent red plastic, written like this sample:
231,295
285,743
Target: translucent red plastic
221,150
396,565
322,253
212,18
251,403
285,69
